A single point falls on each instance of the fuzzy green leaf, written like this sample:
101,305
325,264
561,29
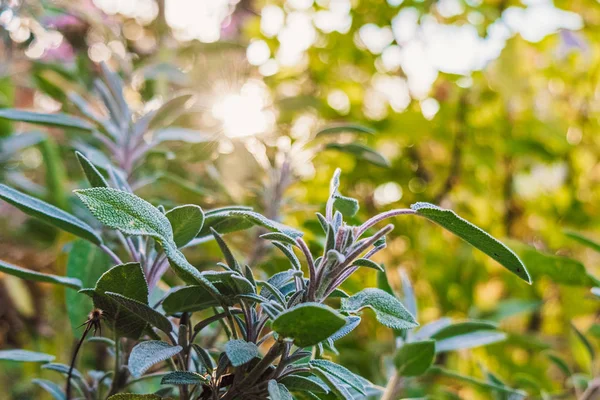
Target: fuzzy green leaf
132,396
127,280
49,214
92,174
308,323
25,356
338,372
346,205
413,359
189,299
126,212
475,236
186,222
146,354
388,309
302,383
143,311
56,120
277,391
364,262
183,378
240,352
30,275
52,388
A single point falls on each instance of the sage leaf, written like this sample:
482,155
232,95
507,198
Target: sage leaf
143,311
132,396
277,391
189,299
129,281
346,205
584,240
240,352
388,309
58,120
414,358
92,174
52,388
365,262
305,383
30,275
186,222
338,372
25,356
126,212
49,214
308,323
183,378
146,354
475,236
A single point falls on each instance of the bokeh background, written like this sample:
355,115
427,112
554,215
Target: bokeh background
488,107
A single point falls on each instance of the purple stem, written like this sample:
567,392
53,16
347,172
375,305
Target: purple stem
312,272
112,255
378,218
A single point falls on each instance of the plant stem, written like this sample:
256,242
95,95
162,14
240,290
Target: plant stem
112,255
392,387
378,218
70,374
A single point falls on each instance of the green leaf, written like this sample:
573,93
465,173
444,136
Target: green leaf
346,205
126,212
92,174
388,309
240,352
338,372
236,219
586,343
277,391
301,383
413,359
186,222
183,378
12,144
351,323
562,270
177,134
49,214
143,311
189,299
475,382
38,276
57,120
127,280
466,335
341,391
187,271
475,236
365,262
148,353
339,128
25,356
583,240
132,396
279,237
87,263
560,363
308,323
360,151
52,388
